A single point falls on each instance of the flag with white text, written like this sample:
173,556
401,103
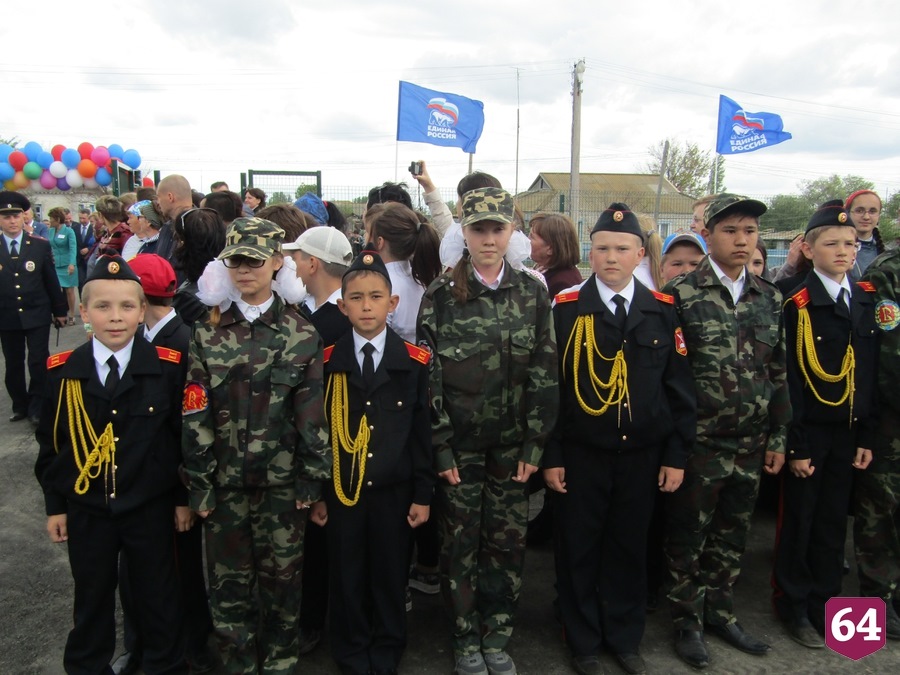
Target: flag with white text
439,118
741,131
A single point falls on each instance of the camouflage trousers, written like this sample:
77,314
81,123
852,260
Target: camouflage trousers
875,510
706,532
254,549
483,522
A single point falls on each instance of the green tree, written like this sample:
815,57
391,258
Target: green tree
303,188
687,166
278,198
786,213
717,176
362,199
820,190
9,141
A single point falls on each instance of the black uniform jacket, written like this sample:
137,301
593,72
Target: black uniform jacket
831,334
145,412
661,408
30,294
397,413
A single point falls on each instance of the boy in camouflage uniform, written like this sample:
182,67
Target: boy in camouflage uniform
877,492
254,448
494,394
732,323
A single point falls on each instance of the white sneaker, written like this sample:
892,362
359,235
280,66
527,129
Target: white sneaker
471,664
499,663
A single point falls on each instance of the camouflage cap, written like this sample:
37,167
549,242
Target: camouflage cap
487,204
725,204
252,237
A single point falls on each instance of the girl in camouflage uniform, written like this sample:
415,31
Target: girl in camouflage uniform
494,393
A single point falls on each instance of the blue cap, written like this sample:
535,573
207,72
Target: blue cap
678,237
311,204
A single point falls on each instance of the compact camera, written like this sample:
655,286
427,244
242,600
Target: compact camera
415,168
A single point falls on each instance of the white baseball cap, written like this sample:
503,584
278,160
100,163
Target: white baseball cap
325,243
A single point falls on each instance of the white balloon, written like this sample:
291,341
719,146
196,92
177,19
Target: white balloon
90,183
58,169
74,179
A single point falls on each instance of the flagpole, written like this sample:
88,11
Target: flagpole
396,159
471,155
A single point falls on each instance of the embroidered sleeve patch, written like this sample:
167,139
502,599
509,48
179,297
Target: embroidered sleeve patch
680,344
887,315
195,399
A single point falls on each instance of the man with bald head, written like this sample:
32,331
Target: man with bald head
174,195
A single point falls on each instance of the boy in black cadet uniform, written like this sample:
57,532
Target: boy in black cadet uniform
29,296
626,426
322,256
832,346
110,446
377,403
163,327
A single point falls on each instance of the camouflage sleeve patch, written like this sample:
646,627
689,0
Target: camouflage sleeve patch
664,297
195,400
680,344
170,355
58,359
419,354
801,299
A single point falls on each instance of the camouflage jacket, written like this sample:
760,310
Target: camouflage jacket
884,274
494,374
737,355
253,406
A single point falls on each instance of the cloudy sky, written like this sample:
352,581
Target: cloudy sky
211,89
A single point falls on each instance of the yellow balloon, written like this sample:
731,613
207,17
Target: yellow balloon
10,185
20,180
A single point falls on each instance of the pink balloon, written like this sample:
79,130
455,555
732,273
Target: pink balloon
48,180
100,155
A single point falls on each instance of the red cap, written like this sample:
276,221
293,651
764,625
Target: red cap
157,275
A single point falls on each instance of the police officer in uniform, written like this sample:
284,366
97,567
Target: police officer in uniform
29,296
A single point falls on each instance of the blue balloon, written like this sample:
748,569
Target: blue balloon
132,158
32,149
115,151
45,159
61,184
6,172
5,152
103,177
70,158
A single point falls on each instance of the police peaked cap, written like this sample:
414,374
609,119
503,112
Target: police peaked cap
13,202
618,218
830,214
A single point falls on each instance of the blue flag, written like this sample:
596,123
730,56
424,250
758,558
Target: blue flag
439,118
741,131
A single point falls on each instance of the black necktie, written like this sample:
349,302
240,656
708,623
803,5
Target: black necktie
14,249
112,379
620,311
840,305
368,366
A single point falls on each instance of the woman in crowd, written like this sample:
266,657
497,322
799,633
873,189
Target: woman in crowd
65,252
865,210
199,238
255,199
144,223
113,218
759,261
555,251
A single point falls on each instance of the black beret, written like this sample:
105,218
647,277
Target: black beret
618,218
830,214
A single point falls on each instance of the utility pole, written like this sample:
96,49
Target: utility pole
518,106
575,169
662,173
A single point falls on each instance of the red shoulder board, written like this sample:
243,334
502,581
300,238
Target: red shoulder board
327,353
662,297
58,359
867,286
568,296
801,299
423,356
170,355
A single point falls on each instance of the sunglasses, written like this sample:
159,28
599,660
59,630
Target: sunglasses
179,222
235,261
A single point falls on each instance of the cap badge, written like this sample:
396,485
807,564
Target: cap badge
618,216
113,268
368,259
842,217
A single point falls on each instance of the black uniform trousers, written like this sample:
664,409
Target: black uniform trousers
809,556
314,602
145,534
601,524
368,551
26,400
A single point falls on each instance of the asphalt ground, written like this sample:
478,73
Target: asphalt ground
36,597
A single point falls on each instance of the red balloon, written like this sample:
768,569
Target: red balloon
17,160
87,168
57,152
147,182
85,150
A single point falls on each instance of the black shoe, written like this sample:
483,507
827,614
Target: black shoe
17,417
631,662
202,662
802,632
734,635
35,420
309,640
690,648
587,665
127,664
892,621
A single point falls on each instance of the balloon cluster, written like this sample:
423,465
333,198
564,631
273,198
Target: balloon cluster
62,168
